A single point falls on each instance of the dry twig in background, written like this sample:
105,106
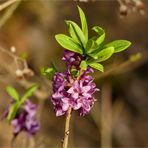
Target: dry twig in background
7,4
106,117
9,12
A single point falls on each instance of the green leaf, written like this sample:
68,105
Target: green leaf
95,43
119,45
29,92
78,33
48,72
74,72
83,65
97,66
54,66
89,45
12,92
101,33
92,46
69,43
83,23
104,54
73,33
13,111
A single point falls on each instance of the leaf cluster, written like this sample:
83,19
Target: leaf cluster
94,49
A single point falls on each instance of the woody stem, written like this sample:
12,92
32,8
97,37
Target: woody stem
67,125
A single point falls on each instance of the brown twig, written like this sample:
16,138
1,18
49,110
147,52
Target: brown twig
67,125
9,12
13,56
125,66
41,93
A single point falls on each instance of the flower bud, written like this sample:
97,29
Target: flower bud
123,10
28,72
13,49
139,5
19,73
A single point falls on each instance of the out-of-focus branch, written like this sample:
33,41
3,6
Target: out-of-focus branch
106,117
133,62
7,4
117,109
131,6
41,93
20,72
10,54
9,12
126,6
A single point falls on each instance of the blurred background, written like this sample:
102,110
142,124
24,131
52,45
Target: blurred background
119,118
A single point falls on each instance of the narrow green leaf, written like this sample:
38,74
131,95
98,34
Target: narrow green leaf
73,33
83,23
54,66
12,92
92,46
48,72
13,111
119,45
103,55
97,66
74,72
101,33
95,43
89,46
29,93
78,33
83,65
68,43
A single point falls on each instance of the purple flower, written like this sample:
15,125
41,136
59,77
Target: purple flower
73,92
25,119
72,59
59,81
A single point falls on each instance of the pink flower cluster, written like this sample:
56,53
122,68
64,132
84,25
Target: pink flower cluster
74,92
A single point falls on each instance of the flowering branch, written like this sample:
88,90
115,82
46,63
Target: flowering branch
74,88
21,113
67,125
